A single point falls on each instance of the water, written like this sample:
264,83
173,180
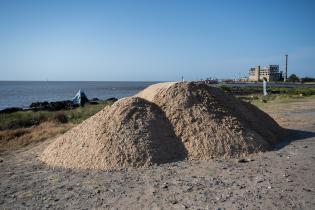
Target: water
22,94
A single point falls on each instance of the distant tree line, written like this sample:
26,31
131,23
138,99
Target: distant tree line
295,78
308,79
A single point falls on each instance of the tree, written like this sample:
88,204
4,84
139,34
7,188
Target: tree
293,78
308,79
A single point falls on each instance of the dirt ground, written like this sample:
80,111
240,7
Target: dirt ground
280,179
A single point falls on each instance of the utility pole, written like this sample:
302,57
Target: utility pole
286,68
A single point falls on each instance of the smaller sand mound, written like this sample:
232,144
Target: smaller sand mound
131,133
150,92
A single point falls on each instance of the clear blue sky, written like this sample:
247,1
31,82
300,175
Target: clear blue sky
153,40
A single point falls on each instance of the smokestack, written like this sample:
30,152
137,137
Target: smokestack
286,68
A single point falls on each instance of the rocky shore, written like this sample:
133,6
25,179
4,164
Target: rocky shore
54,106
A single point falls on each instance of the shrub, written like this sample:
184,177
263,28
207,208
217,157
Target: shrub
293,78
60,117
226,88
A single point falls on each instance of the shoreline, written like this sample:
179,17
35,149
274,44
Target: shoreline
54,105
278,179
237,89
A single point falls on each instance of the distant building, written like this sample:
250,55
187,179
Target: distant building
270,72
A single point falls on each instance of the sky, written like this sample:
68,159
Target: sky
156,40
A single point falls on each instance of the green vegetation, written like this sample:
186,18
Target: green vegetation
23,119
294,91
257,99
276,94
279,99
293,78
247,90
308,80
226,88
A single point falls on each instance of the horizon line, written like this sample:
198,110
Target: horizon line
83,81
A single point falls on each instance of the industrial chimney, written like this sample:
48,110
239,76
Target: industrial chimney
286,68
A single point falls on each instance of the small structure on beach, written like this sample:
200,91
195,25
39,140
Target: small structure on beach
80,99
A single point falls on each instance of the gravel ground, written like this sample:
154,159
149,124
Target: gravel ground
280,179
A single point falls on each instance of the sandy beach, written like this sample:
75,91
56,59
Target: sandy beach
279,179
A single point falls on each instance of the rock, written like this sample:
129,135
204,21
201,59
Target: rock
263,100
11,110
52,106
165,186
307,189
39,105
189,189
243,160
93,102
174,201
259,181
69,188
47,206
184,206
113,99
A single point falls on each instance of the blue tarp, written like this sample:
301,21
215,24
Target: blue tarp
80,99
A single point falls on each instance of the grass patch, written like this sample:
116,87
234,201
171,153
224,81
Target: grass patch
265,101
81,113
253,94
248,90
21,137
22,128
25,119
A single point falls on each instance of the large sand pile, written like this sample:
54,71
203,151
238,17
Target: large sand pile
131,133
170,121
212,123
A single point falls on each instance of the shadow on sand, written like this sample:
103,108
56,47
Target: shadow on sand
293,135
